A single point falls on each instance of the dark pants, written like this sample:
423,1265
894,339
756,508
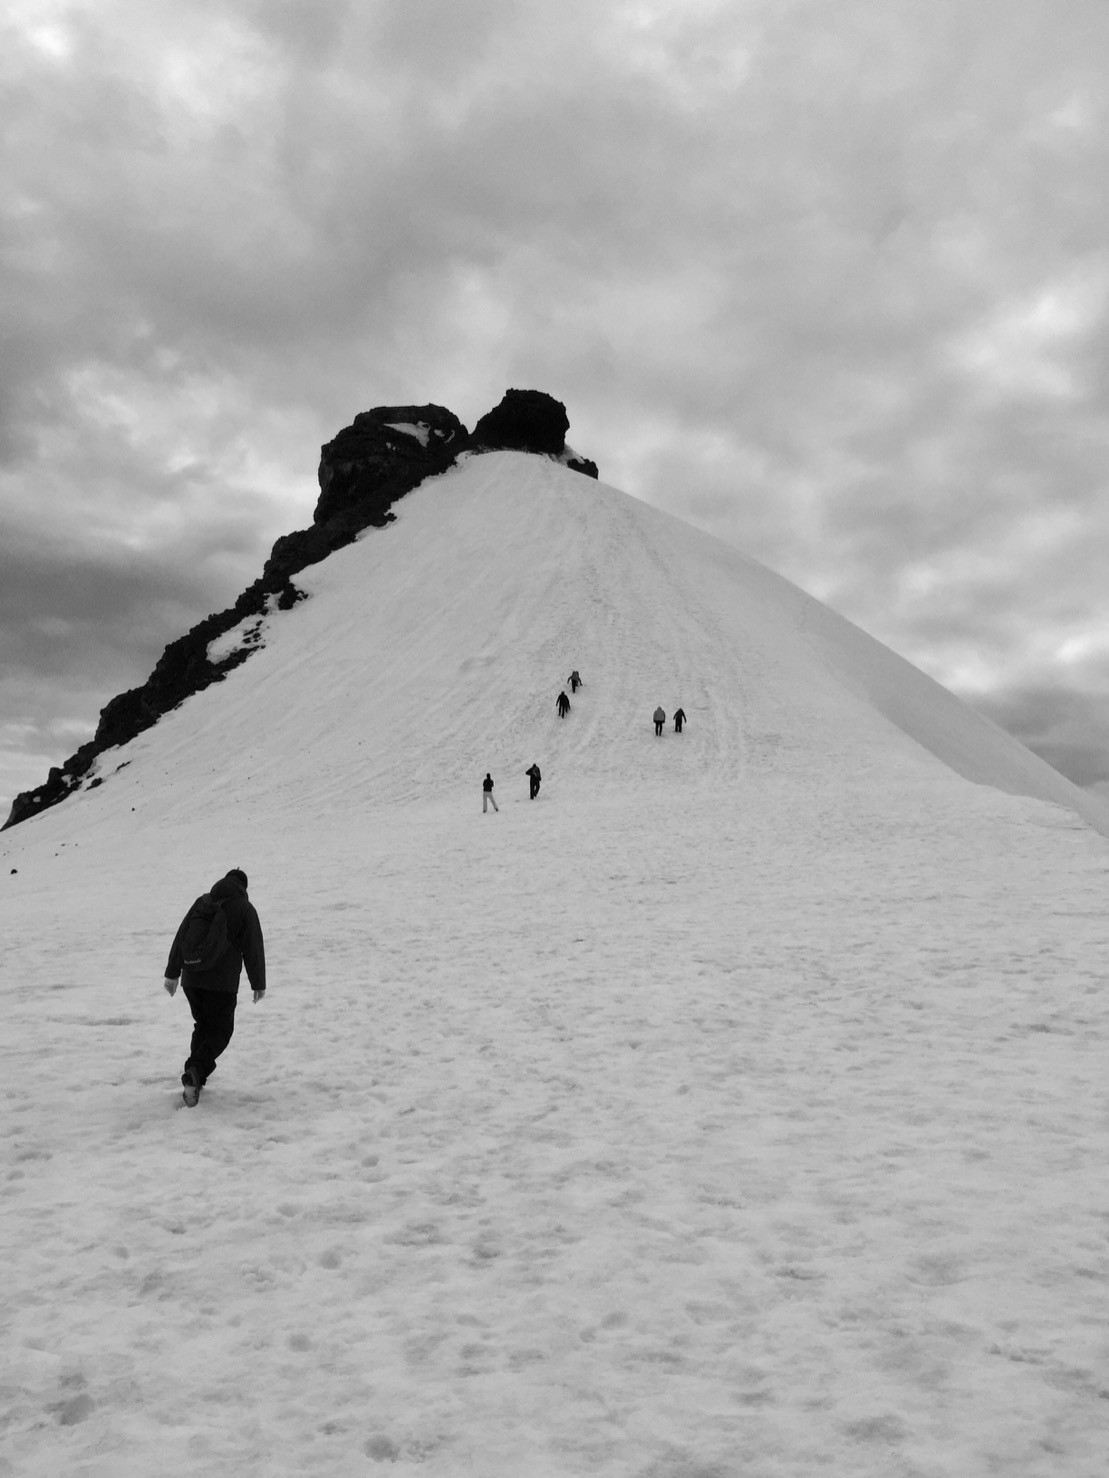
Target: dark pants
534,789
213,1025
658,726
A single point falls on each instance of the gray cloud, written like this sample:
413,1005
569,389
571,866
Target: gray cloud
1070,730
829,280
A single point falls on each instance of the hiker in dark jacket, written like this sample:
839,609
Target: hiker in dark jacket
213,993
487,796
562,703
534,777
660,719
679,720
575,680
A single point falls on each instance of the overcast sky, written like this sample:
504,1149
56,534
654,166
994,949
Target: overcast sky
828,278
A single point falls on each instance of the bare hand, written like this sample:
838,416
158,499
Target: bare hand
258,996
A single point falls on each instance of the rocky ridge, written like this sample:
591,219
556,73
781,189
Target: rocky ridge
382,455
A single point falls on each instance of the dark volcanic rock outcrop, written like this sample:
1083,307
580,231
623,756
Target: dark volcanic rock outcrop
184,668
529,421
374,459
525,421
583,465
380,456
371,463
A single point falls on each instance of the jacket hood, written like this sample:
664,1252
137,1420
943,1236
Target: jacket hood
228,888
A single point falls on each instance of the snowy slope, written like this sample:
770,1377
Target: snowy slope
435,649
737,1108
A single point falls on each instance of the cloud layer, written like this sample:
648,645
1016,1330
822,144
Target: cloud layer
828,279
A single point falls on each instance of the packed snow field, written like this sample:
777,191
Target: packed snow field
736,1109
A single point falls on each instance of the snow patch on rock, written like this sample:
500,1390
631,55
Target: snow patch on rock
420,431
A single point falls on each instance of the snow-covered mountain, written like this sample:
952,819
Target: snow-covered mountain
435,649
732,1108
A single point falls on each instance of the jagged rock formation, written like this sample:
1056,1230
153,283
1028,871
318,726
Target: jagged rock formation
525,421
380,456
383,454
529,421
584,465
370,462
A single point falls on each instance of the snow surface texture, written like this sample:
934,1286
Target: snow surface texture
736,1109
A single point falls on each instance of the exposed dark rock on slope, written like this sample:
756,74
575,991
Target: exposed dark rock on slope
525,421
370,462
529,421
382,455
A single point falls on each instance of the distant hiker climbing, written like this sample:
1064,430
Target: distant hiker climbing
679,720
575,680
534,777
660,719
487,797
563,705
217,937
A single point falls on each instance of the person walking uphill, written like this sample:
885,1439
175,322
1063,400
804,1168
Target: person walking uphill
487,794
534,777
562,703
659,718
679,720
218,936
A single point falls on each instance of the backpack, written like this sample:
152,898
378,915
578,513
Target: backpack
204,939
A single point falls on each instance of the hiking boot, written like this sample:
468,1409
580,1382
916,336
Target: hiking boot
190,1087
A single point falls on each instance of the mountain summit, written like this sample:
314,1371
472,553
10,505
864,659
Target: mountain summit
435,645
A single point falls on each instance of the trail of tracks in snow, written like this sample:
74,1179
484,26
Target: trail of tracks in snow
723,1134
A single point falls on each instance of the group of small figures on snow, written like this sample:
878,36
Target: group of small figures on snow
562,707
